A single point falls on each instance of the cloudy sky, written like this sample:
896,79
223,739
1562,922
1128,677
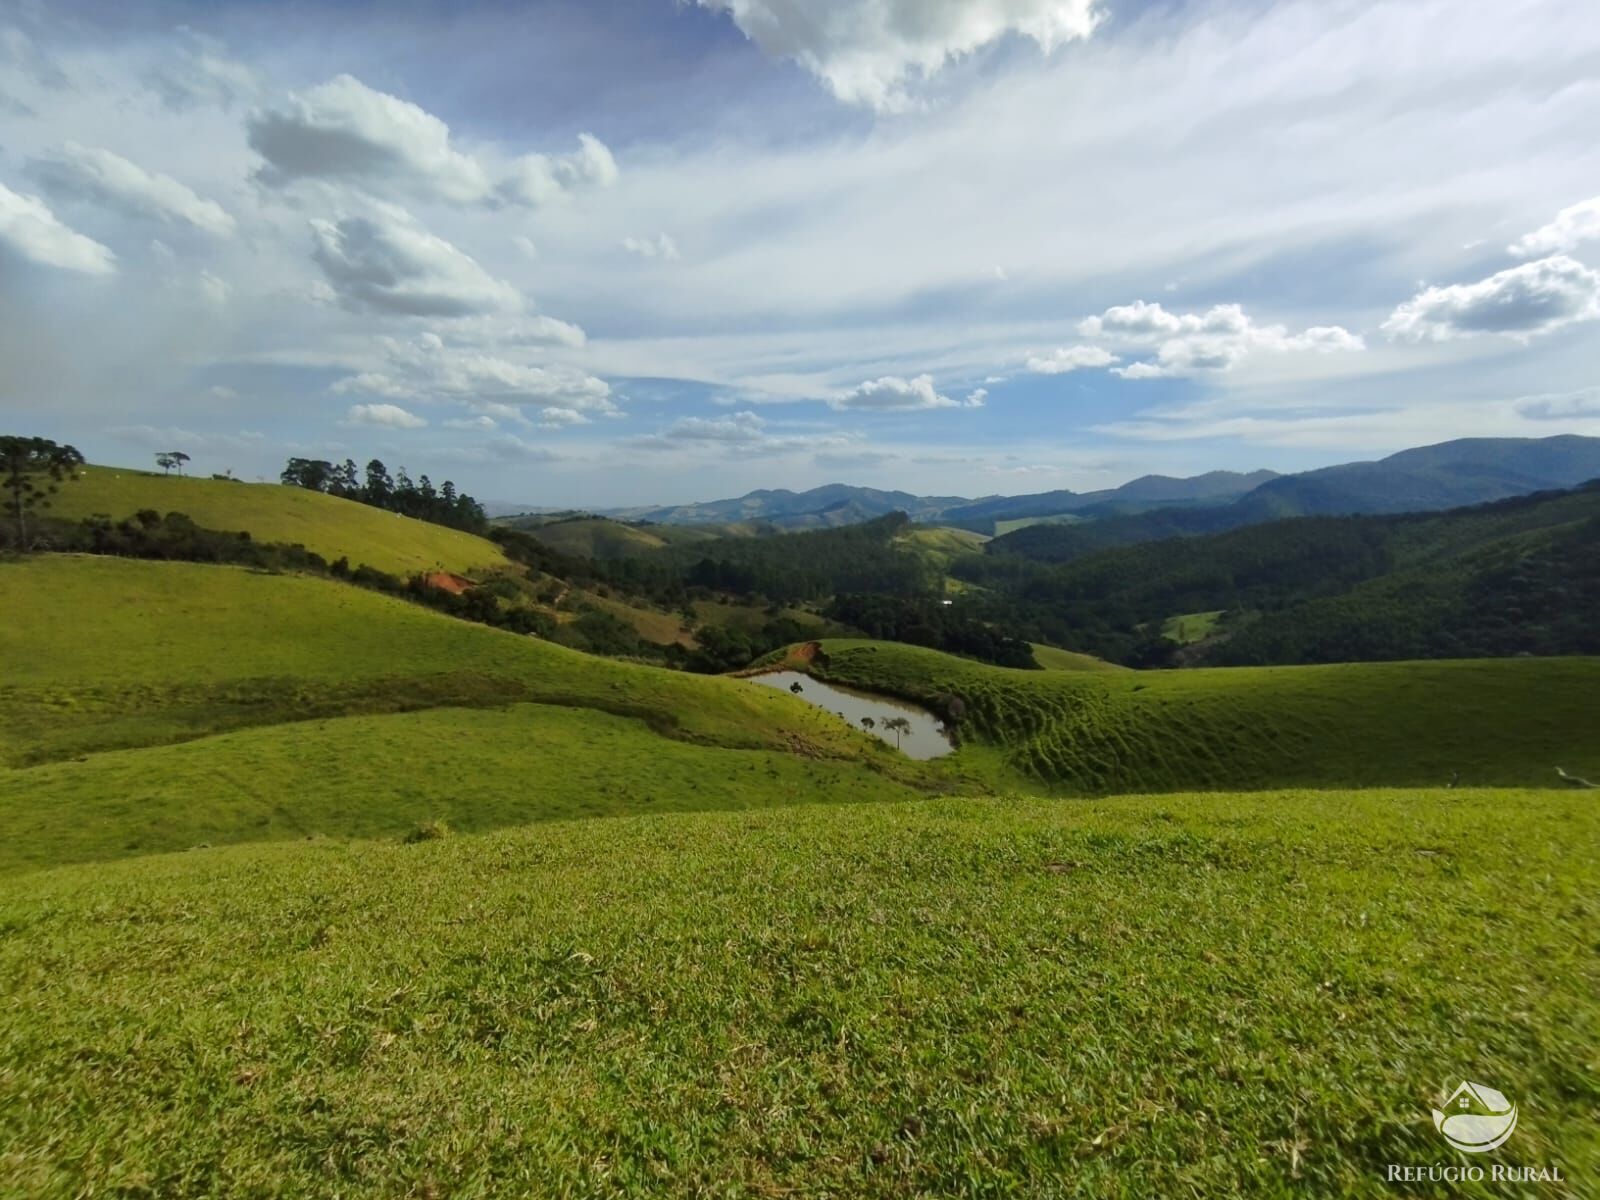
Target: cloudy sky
665,250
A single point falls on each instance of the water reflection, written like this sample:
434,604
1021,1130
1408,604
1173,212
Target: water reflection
922,736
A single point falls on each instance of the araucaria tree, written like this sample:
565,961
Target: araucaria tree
31,470
171,458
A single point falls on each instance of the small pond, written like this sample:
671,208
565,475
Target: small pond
925,738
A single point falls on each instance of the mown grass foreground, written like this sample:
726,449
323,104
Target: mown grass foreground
1222,995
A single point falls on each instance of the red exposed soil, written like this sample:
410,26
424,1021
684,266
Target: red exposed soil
446,582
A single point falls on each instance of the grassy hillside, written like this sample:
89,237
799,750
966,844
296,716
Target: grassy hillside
1052,658
382,776
1255,995
104,653
271,512
941,544
593,537
1498,722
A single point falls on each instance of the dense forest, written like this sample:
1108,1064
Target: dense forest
787,569
1515,576
443,505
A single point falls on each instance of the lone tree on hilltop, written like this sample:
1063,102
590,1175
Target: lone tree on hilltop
169,459
31,471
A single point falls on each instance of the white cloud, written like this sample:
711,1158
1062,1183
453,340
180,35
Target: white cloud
214,288
478,422
426,367
173,438
660,246
977,397
1571,227
112,181
1583,405
30,229
388,263
561,418
203,74
525,244
537,179
390,416
894,393
345,131
869,51
1520,302
1218,339
518,329
1071,358
738,428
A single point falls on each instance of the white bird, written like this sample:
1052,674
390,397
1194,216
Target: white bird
1575,781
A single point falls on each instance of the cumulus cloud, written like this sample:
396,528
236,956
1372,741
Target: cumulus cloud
1520,302
893,393
390,264
428,368
517,329
1071,358
738,428
740,435
29,228
1218,339
112,181
390,416
1571,228
660,246
344,131
537,179
868,51
561,418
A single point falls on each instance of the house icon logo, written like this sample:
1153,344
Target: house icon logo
1476,1118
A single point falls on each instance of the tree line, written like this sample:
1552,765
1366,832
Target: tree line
444,505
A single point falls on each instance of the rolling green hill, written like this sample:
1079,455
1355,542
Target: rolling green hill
1162,996
382,776
106,653
1052,658
272,512
1498,722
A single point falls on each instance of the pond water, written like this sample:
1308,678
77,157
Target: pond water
924,740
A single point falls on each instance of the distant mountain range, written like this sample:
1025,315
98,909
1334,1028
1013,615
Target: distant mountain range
1429,478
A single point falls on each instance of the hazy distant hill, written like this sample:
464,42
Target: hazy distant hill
1447,475
1427,479
831,505
1145,492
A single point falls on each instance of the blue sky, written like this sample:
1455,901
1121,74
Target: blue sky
666,250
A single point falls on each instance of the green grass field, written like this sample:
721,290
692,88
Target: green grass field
271,512
1500,722
1053,658
107,653
1179,995
381,776
1191,627
1012,524
943,544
